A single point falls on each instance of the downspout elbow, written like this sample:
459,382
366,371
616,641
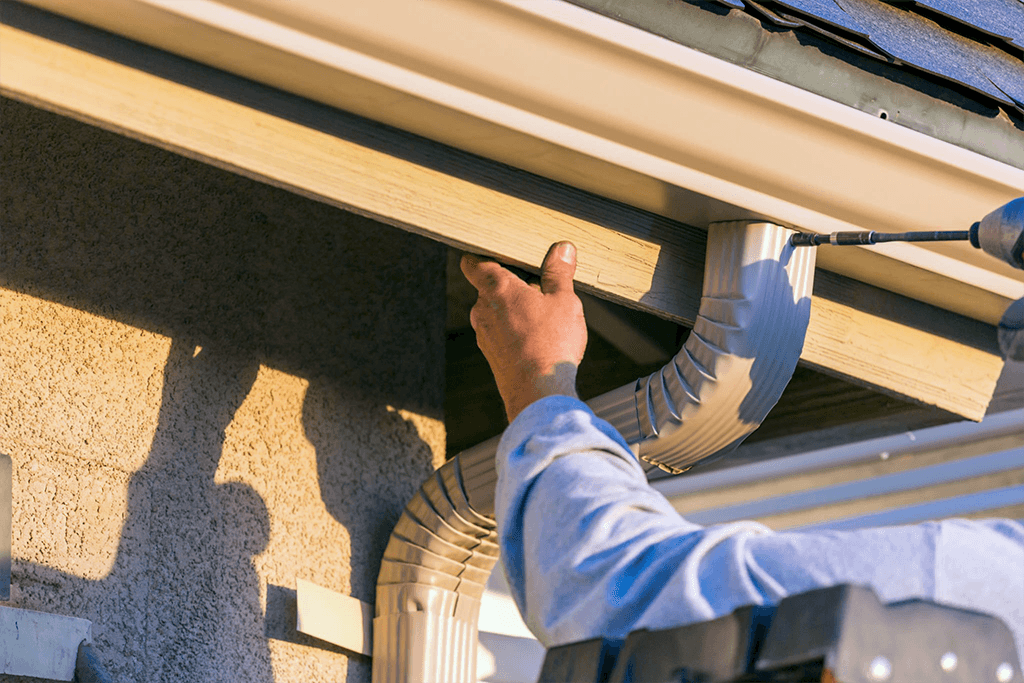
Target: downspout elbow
433,574
730,372
738,359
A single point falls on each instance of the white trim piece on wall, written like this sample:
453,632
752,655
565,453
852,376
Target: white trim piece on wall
39,644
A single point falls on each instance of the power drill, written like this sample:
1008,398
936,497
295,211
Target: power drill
999,234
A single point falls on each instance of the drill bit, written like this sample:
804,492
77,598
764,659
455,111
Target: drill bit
808,239
999,234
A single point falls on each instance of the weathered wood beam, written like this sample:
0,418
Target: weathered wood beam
881,340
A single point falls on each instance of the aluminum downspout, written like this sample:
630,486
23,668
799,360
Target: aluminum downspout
719,387
737,360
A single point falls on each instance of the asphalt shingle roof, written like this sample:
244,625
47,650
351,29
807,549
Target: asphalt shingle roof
978,44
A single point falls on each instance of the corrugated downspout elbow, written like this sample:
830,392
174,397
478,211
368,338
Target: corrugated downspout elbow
737,360
433,573
719,387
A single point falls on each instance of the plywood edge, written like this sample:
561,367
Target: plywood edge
626,255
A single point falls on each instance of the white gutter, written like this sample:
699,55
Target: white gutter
955,470
956,435
563,92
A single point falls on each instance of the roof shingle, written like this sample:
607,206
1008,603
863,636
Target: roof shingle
974,43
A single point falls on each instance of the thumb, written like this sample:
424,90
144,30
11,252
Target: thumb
559,266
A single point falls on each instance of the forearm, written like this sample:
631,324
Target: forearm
587,544
590,549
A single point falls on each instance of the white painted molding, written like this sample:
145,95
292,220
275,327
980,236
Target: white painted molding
40,644
336,618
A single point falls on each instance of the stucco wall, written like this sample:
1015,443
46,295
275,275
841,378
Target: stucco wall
209,387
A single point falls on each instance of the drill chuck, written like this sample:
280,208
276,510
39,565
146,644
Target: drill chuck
1001,233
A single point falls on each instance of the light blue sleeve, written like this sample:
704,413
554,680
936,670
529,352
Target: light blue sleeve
590,549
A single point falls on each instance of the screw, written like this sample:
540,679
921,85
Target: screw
881,669
1004,672
948,661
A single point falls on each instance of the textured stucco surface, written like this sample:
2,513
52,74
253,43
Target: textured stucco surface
209,388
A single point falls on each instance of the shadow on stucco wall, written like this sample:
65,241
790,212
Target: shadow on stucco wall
205,535
239,276
204,584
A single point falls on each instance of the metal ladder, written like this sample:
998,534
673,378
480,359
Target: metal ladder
841,634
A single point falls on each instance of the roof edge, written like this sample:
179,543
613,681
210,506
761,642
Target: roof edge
815,63
603,106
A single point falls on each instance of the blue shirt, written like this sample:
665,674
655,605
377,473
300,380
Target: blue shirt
590,549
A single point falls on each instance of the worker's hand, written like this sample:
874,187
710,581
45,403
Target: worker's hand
533,338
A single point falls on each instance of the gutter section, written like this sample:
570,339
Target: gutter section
804,52
956,470
605,107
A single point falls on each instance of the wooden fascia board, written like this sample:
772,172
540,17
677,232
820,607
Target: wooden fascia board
599,105
858,332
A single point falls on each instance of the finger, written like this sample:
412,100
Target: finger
558,268
474,317
482,273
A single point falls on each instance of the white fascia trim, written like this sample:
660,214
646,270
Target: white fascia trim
586,100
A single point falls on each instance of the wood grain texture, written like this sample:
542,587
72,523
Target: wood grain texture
629,256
